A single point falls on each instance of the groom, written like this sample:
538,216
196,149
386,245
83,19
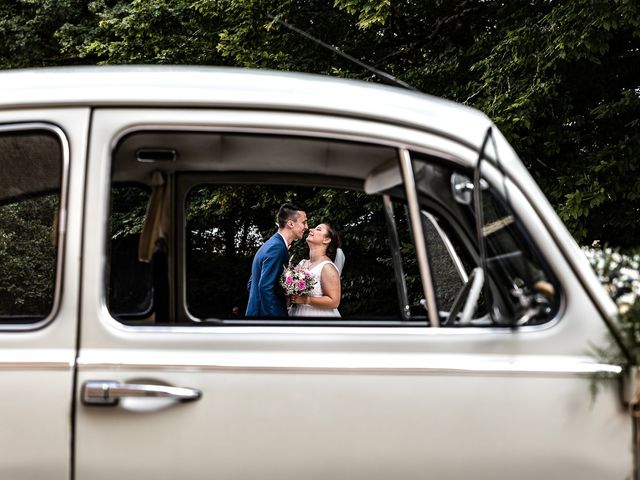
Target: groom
266,298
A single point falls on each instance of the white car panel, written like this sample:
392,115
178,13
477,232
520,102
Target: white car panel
37,365
319,423
295,401
367,402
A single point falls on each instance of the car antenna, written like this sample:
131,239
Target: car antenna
384,76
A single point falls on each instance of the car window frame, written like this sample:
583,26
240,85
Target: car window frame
381,327
58,132
187,180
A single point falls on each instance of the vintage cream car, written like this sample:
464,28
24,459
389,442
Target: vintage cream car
131,202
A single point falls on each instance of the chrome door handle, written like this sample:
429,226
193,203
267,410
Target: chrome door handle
108,392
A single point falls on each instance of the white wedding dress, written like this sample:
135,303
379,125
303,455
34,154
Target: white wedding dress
301,310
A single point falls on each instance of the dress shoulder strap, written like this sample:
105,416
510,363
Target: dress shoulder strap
322,264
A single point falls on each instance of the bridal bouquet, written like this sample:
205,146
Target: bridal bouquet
297,281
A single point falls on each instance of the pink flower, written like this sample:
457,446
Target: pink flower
288,280
302,285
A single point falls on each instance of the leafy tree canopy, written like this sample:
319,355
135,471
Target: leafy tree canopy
560,79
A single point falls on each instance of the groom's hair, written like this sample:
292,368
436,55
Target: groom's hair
288,211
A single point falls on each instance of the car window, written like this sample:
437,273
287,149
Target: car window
520,287
31,162
131,288
190,210
513,285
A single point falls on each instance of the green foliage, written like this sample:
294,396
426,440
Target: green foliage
128,206
560,79
620,276
142,31
562,83
370,12
28,257
28,31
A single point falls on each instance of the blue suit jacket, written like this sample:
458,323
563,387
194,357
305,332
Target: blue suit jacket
266,297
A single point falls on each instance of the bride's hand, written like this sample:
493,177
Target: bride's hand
298,299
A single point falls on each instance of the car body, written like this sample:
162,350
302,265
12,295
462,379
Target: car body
134,364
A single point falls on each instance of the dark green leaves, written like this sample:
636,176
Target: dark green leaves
560,79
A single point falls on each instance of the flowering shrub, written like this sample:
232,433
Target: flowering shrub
620,276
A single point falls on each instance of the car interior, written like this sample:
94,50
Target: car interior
190,207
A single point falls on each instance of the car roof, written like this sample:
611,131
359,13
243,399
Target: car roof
191,86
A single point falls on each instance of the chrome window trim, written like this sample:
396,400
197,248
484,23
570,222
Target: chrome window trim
396,258
62,222
36,359
365,330
430,364
43,365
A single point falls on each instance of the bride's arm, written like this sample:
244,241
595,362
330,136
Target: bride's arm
330,283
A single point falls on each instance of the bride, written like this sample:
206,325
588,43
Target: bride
323,300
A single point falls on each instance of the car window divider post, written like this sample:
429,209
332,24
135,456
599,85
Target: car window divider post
401,284
419,236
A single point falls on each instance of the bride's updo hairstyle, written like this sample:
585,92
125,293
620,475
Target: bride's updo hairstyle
334,245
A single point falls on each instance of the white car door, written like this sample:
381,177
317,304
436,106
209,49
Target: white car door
197,397
42,155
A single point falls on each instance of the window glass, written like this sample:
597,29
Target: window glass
30,189
226,224
516,286
410,271
131,286
447,280
521,288
185,229
446,275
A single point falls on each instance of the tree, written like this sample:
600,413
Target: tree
29,32
560,79
28,252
